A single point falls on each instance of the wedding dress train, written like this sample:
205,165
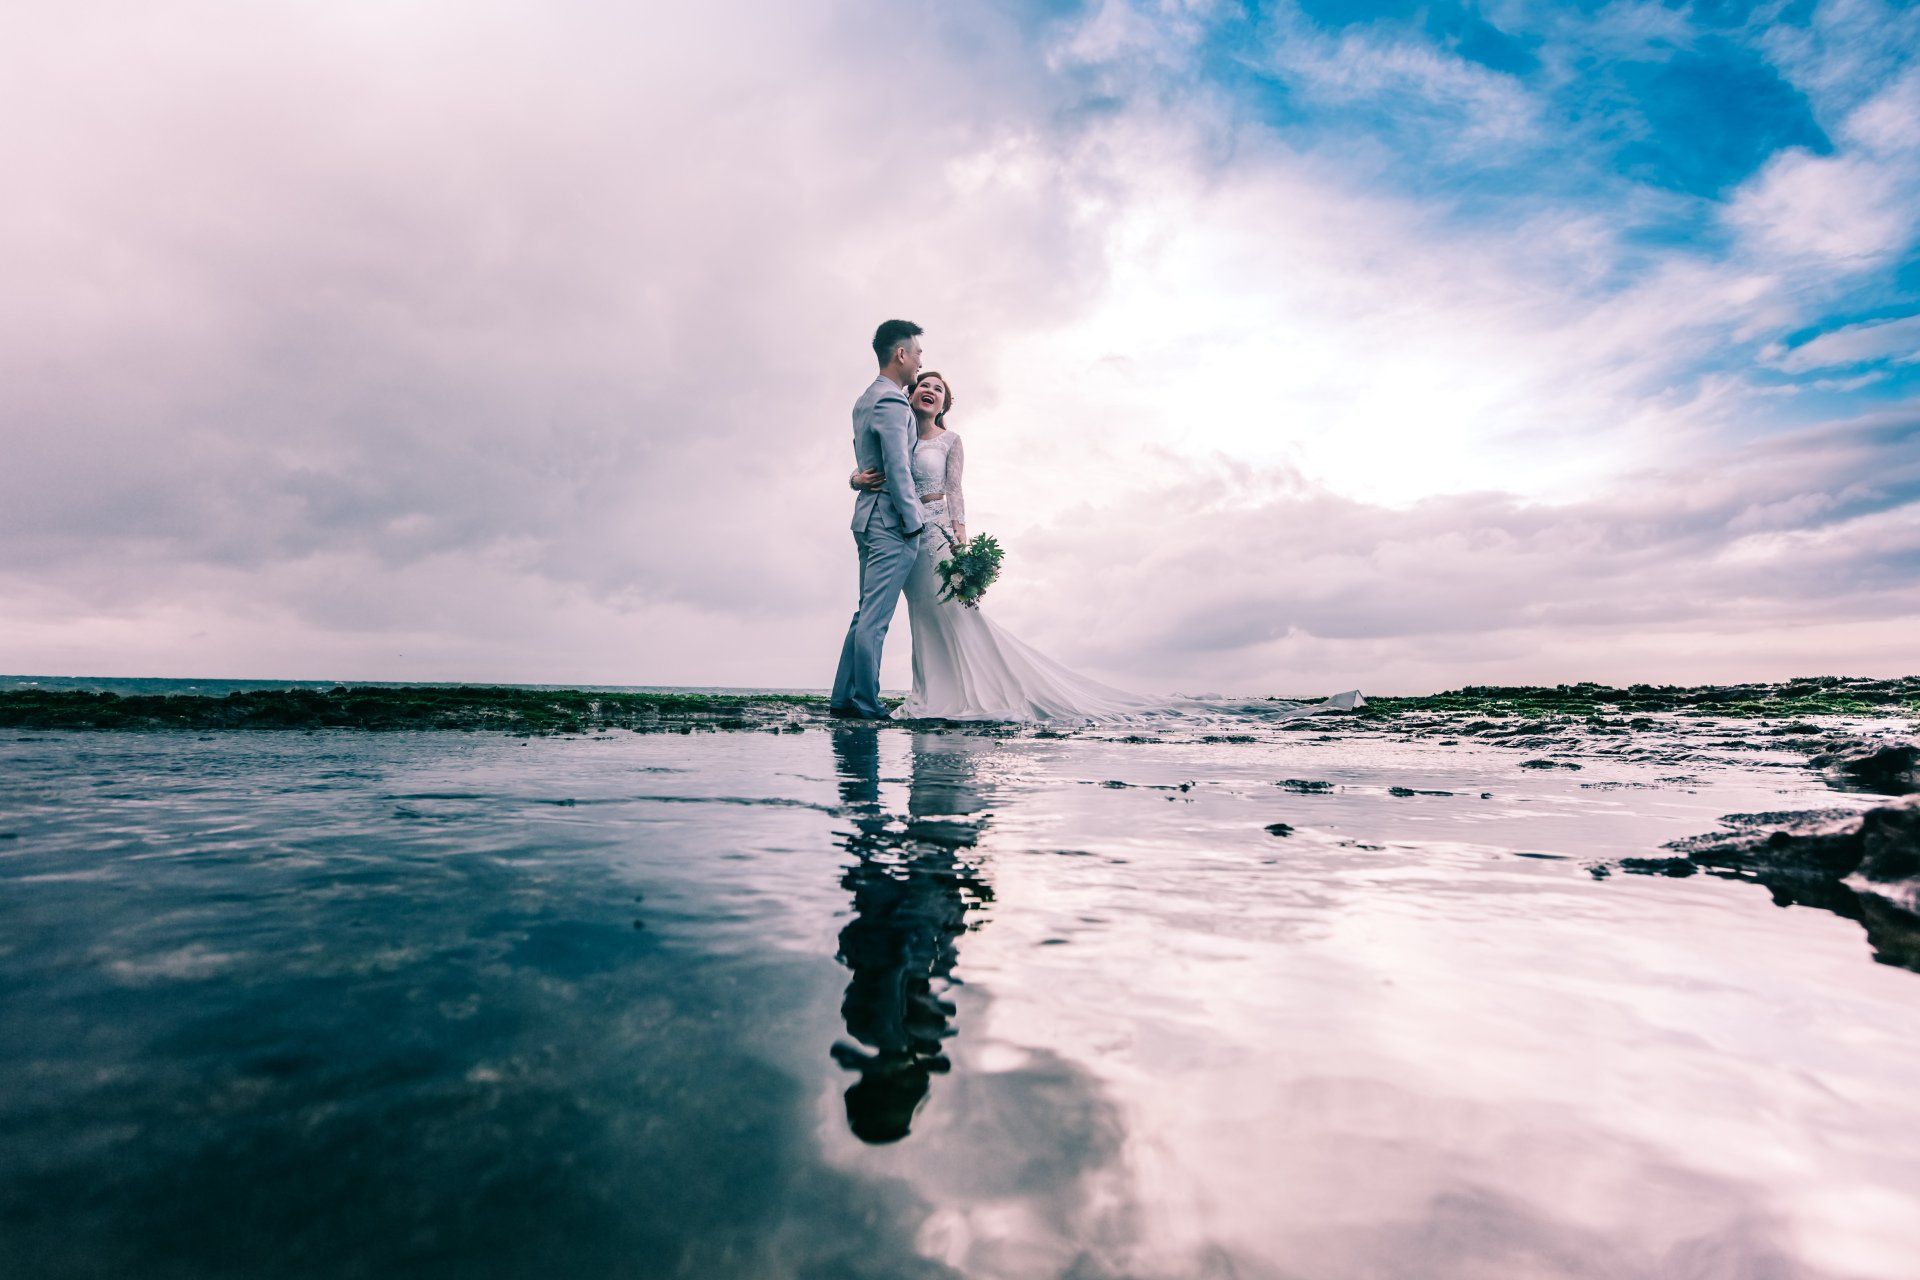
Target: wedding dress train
966,667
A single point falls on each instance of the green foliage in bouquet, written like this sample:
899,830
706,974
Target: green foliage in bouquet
970,570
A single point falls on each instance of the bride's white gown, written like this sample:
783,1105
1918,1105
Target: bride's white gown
967,668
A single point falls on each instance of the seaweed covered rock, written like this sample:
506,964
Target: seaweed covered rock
1792,699
1877,764
1823,844
1864,865
1881,845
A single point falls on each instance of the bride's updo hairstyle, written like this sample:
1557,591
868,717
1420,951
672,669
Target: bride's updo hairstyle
946,388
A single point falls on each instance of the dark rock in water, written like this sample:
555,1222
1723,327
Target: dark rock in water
1548,764
1879,765
1414,791
1303,785
1819,843
1658,866
1864,865
1881,847
1279,829
1890,852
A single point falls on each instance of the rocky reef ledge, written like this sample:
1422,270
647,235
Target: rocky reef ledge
503,708
1804,696
1588,708
1864,865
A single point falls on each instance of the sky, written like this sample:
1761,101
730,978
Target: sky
1296,346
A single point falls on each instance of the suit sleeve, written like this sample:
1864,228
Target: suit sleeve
893,423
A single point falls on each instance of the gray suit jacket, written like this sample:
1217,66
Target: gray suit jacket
883,440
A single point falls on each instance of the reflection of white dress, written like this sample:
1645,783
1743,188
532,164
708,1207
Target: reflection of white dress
966,668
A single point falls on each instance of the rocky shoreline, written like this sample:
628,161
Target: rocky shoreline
499,708
1516,714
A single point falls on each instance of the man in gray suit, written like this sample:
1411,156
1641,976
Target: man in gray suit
887,523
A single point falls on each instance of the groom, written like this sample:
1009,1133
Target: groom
887,522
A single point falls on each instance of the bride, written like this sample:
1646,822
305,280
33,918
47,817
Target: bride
965,667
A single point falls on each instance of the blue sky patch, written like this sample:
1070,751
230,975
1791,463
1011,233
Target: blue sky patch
1703,120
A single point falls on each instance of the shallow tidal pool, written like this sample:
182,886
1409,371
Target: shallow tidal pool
864,1002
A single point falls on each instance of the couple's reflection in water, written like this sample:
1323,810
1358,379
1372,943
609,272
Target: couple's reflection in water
915,885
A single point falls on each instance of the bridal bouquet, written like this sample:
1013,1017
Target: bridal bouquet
966,574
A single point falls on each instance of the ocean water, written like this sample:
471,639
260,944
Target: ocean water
870,1002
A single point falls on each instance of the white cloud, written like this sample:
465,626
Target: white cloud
1845,212
1116,30
1896,340
1845,52
1816,532
1888,122
1412,79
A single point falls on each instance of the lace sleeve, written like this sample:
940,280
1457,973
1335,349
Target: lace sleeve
956,501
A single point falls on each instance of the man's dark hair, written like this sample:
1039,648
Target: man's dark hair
890,335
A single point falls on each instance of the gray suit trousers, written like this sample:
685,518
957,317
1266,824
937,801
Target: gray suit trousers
886,558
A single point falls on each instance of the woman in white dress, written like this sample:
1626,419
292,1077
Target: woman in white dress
965,667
